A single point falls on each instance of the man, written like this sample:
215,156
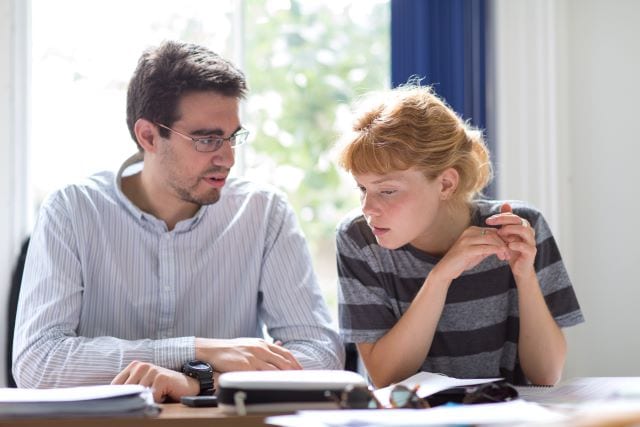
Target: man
160,269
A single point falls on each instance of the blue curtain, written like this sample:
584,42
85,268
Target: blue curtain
443,41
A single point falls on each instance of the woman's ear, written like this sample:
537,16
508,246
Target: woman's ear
449,180
146,134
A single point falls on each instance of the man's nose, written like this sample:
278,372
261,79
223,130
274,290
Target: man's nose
224,156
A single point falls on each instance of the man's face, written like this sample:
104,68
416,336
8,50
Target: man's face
193,176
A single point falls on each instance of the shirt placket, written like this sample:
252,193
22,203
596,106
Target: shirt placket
166,264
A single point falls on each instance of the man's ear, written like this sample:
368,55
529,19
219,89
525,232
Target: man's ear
146,134
449,180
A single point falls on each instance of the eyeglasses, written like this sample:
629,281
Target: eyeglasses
362,397
208,144
491,393
404,397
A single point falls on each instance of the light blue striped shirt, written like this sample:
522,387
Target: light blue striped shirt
105,284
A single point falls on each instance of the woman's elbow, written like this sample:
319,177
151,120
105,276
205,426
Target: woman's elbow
548,377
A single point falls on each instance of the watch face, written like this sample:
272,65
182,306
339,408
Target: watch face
199,366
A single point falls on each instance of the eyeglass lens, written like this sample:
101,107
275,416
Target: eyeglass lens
403,397
492,392
214,143
355,397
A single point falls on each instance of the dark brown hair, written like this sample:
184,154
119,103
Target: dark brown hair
167,72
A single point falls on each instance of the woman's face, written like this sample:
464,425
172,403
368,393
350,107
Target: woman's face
400,207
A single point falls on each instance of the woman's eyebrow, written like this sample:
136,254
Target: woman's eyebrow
387,179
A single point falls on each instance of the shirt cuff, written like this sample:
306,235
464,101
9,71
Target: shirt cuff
171,353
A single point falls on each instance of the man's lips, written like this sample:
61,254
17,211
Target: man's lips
216,181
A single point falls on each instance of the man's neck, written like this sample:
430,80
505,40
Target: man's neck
141,190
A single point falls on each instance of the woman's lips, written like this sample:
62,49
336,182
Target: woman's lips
378,231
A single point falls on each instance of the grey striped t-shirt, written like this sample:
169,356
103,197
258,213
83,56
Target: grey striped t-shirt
477,334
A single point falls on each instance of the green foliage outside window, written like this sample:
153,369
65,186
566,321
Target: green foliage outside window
306,63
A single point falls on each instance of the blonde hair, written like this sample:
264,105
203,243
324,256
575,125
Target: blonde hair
411,127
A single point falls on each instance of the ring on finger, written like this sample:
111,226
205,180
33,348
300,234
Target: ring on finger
524,222
483,231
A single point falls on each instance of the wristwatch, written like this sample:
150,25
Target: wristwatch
203,372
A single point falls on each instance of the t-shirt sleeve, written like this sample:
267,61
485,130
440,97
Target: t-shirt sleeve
365,311
552,275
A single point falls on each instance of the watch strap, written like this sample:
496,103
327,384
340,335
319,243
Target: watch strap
204,376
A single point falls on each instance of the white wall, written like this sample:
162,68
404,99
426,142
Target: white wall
5,168
13,167
568,90
603,114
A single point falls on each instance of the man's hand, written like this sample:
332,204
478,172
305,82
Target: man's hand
163,382
245,354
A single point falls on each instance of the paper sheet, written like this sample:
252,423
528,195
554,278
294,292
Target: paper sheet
580,390
513,412
69,394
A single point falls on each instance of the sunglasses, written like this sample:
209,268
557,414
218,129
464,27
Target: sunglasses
362,397
500,391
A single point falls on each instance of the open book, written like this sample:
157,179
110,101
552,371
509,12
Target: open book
91,401
430,384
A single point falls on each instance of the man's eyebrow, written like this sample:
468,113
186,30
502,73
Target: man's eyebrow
209,132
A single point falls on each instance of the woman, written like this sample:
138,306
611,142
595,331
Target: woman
432,277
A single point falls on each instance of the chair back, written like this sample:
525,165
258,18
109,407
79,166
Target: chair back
16,281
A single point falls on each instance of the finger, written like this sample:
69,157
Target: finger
524,234
158,395
263,365
149,378
488,236
485,250
161,384
506,207
136,373
281,361
508,219
287,355
523,248
121,377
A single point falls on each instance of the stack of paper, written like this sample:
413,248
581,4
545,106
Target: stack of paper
91,401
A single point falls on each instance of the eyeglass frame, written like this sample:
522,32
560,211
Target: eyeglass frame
372,402
413,400
494,392
216,141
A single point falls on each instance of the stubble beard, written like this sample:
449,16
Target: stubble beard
189,197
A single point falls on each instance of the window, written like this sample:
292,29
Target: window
306,62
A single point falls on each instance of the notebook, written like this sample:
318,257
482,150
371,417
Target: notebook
281,391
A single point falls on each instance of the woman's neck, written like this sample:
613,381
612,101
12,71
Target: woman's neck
445,230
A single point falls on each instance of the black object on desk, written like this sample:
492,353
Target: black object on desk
499,391
199,401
